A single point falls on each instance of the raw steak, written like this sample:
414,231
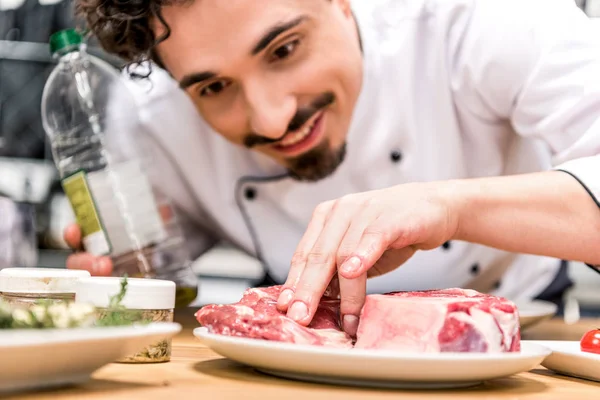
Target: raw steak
450,320
256,316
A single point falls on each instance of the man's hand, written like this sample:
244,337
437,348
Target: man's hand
360,236
546,213
97,266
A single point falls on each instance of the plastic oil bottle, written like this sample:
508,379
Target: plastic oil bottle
120,213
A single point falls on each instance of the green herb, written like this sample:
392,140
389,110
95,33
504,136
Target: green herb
115,301
5,316
116,314
118,317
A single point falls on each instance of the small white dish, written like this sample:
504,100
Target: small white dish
533,312
568,359
34,359
354,367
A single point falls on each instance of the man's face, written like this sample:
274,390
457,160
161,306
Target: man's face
281,77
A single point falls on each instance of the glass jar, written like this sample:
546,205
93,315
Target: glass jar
145,301
25,287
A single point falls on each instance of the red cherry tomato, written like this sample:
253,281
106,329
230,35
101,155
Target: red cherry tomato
590,342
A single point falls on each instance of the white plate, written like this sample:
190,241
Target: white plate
372,368
45,358
534,312
568,359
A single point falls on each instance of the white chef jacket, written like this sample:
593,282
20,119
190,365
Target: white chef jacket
452,89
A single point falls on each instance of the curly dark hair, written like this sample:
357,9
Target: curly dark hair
123,27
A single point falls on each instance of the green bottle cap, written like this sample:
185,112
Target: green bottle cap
65,41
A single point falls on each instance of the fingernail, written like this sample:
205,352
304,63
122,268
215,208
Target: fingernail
298,311
351,265
350,324
285,297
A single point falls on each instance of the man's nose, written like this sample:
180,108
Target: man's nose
270,109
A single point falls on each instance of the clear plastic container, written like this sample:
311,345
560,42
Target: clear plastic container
25,287
145,301
87,110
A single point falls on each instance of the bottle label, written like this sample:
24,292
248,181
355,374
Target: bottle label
78,192
125,199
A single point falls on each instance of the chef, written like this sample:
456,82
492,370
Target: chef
422,143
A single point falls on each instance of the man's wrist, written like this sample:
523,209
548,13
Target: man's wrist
472,202
457,196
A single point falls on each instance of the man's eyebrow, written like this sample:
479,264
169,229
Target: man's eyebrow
268,37
194,78
276,31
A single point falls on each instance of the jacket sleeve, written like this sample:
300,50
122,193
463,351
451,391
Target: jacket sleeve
536,64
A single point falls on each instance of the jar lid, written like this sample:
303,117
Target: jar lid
141,294
40,280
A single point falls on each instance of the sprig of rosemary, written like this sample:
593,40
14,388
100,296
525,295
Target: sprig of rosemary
118,315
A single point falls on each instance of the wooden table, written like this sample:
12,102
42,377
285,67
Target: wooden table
196,372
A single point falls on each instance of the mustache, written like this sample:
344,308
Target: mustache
302,115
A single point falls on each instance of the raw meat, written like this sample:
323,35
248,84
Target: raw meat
256,316
450,320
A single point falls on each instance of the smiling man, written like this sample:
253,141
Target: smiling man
455,139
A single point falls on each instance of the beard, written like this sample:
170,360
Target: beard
316,164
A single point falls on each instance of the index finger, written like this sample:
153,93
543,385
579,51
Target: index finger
300,256
72,236
353,293
320,267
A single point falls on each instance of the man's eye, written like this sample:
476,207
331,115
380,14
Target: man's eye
286,50
213,88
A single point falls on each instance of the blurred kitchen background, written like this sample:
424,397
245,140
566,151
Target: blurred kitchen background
33,209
